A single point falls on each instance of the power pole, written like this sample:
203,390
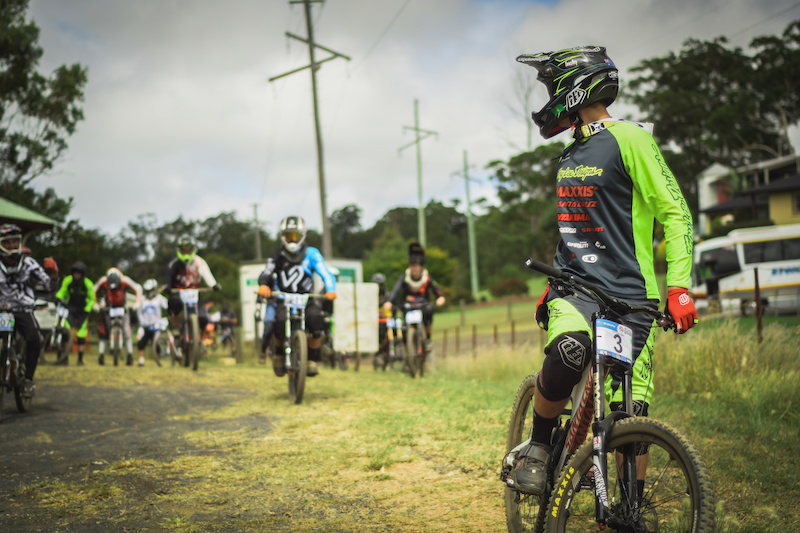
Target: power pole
417,131
473,257
257,231
327,249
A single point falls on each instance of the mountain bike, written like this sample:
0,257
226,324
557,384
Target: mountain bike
164,345
116,323
296,349
59,336
592,484
395,351
190,327
259,314
416,352
328,355
12,362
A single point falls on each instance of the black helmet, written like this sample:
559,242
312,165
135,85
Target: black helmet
113,278
416,254
378,278
10,232
80,266
575,78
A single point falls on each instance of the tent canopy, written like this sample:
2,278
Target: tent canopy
23,217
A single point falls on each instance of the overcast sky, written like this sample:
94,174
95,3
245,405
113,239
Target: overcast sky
180,118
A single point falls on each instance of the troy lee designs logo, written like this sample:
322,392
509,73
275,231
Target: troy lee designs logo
580,172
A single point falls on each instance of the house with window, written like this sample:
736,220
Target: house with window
768,193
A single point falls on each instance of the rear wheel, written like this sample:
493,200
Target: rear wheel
524,513
678,493
116,341
298,366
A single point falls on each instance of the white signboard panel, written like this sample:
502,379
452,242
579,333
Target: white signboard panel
355,317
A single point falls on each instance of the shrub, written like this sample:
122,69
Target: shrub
509,286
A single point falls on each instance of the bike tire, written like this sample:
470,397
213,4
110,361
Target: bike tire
421,356
3,378
194,336
678,492
64,344
116,341
411,351
524,513
298,366
17,376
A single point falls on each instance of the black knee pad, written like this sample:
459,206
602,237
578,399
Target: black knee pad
565,359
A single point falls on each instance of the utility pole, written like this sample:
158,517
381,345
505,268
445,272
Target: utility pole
417,140
473,257
327,249
257,231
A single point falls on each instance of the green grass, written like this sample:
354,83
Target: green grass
379,451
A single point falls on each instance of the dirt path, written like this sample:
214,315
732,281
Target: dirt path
74,430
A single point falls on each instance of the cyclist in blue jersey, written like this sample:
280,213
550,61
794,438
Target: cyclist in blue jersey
291,269
613,184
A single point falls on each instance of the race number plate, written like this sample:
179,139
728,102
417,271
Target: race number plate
190,296
62,311
414,316
6,322
294,299
116,311
615,341
390,323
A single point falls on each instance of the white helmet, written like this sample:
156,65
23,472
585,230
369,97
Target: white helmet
150,286
293,233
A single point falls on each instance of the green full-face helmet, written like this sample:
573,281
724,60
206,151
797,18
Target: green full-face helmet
187,247
575,78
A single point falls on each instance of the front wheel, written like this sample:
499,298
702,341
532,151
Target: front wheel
298,366
18,376
194,338
524,513
63,343
678,494
411,351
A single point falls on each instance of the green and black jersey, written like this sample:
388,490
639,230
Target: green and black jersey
612,186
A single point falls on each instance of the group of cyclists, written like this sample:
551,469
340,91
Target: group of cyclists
24,284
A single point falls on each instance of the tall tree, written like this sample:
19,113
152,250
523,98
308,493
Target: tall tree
37,112
717,104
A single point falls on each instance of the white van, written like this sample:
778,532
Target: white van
724,269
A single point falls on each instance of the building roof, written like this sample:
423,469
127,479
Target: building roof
736,203
787,184
23,217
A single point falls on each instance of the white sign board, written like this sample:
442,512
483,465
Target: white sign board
248,286
355,318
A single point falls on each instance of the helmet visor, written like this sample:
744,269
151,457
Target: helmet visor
292,236
11,244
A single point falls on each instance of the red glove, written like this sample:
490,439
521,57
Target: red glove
681,308
541,313
50,265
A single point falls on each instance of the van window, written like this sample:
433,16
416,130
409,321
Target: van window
762,252
717,263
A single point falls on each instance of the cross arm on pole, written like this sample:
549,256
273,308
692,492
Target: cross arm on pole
301,68
412,143
316,45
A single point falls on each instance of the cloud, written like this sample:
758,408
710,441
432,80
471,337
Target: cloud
182,120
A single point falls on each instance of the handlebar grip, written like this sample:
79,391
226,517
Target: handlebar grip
545,269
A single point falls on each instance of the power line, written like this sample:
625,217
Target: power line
385,31
776,15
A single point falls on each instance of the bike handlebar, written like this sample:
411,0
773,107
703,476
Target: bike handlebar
620,307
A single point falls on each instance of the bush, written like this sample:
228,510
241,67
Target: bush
508,287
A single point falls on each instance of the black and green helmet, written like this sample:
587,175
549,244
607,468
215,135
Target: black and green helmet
575,78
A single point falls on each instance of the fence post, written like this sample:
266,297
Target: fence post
495,334
458,342
509,308
758,307
474,340
444,345
512,334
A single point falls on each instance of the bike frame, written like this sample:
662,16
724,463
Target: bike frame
588,396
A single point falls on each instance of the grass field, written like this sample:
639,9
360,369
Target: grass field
375,451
